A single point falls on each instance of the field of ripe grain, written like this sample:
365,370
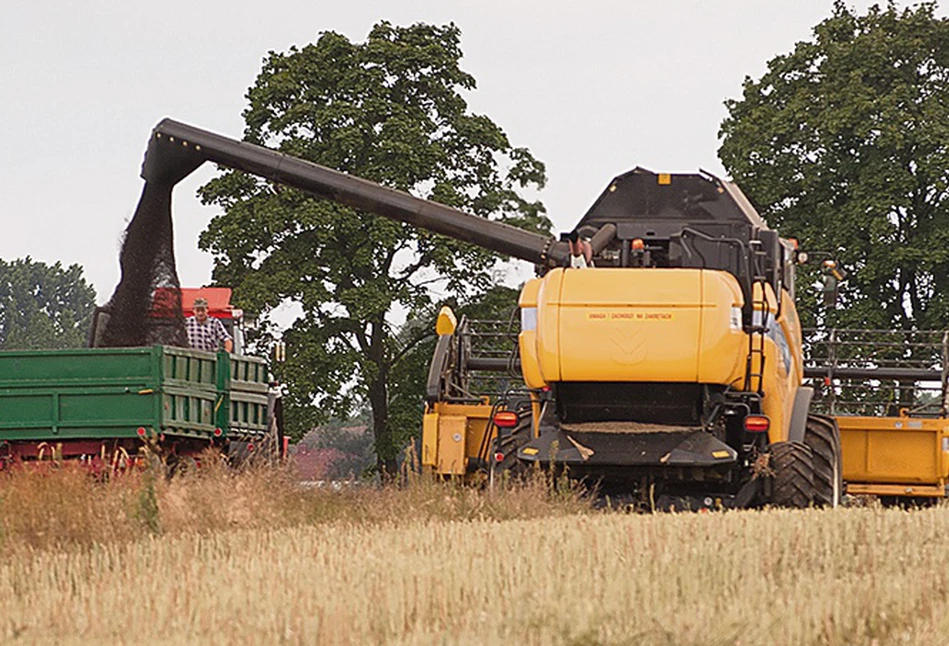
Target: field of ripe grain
556,575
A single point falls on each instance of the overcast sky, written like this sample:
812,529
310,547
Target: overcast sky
592,88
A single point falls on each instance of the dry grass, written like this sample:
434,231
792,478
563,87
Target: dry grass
66,507
442,565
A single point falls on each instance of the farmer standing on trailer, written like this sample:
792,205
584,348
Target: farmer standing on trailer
206,333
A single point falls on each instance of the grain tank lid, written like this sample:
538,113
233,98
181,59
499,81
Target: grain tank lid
641,194
744,204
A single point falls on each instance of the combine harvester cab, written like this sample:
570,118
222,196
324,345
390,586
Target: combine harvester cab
888,393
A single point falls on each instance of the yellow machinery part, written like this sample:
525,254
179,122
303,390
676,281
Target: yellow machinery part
794,376
884,453
537,408
527,339
528,296
921,491
618,325
548,325
530,366
446,322
724,344
783,372
658,325
452,434
655,325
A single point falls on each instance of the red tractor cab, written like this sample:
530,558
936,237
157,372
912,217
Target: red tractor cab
219,307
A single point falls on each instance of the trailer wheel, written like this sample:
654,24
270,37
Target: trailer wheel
792,480
823,436
185,466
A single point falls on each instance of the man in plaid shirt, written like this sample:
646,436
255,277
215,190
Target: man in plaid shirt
204,332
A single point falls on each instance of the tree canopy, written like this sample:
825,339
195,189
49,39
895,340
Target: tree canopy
844,144
43,306
391,110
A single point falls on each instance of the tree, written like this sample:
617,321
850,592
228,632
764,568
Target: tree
43,306
389,110
844,144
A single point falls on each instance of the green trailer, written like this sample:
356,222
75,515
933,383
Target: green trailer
102,404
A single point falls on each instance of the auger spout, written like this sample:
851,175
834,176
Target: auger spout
176,149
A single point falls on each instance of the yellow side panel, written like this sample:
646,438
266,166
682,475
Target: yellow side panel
778,400
451,445
548,325
429,439
452,434
530,365
724,344
625,325
527,340
783,368
792,327
528,295
475,430
891,450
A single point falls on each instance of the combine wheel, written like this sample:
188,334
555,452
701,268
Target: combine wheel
510,444
823,436
792,481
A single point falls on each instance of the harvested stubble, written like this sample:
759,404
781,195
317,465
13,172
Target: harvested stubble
849,576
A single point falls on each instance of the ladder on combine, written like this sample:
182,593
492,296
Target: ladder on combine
757,332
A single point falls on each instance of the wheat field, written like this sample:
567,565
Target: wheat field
445,565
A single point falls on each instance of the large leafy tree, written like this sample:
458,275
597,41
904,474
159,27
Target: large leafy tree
390,110
43,306
844,143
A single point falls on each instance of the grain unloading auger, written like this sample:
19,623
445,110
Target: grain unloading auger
672,367
176,150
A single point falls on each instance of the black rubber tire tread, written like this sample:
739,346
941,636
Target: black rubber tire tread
510,445
823,436
792,464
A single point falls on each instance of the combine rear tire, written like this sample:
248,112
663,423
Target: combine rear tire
792,482
508,448
823,436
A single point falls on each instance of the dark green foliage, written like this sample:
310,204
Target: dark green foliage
389,110
43,306
844,144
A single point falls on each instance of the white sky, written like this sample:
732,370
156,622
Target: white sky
592,88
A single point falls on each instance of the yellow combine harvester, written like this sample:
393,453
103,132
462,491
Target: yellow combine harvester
670,369
660,350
